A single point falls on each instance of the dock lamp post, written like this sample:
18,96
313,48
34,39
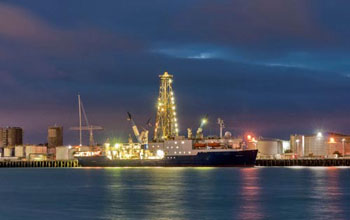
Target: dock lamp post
343,141
331,144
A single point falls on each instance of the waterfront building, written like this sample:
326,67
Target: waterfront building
11,136
55,136
323,145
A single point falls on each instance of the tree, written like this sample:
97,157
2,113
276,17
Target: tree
288,151
337,153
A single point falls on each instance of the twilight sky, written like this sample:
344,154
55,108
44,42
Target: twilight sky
269,67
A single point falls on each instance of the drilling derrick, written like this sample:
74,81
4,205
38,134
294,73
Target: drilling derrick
166,121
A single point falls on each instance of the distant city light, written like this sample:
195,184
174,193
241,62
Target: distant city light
319,134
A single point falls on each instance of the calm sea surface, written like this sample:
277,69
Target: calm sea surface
175,193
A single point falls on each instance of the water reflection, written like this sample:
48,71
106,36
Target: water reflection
225,193
327,195
145,194
250,194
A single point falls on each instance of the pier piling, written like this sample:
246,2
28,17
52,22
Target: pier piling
303,162
47,163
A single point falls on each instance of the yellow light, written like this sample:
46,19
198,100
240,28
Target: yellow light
116,145
331,140
173,107
204,121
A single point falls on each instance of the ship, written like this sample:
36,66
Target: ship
172,153
244,158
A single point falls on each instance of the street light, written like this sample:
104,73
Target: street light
331,141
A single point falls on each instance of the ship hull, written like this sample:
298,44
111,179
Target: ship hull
202,159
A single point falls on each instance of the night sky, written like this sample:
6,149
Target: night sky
269,67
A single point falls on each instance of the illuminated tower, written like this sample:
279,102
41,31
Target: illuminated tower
166,121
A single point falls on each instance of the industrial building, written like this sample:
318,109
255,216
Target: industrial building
55,136
11,136
322,145
269,148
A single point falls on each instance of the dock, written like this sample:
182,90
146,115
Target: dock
303,162
46,163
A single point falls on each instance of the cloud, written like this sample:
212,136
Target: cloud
21,26
258,28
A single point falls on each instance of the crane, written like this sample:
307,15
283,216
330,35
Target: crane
87,127
222,126
134,128
143,137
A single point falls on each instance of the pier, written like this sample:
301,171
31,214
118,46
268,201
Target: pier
47,163
302,162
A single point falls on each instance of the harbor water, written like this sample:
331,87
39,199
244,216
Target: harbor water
175,193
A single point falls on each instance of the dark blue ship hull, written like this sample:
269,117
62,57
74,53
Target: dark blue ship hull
215,159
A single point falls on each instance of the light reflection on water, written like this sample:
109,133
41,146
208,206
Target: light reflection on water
175,193
250,195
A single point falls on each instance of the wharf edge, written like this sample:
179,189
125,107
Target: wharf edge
302,162
38,164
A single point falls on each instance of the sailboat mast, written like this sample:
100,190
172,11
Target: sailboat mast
80,129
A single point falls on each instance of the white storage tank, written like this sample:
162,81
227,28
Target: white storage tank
64,153
19,151
35,150
269,148
8,152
